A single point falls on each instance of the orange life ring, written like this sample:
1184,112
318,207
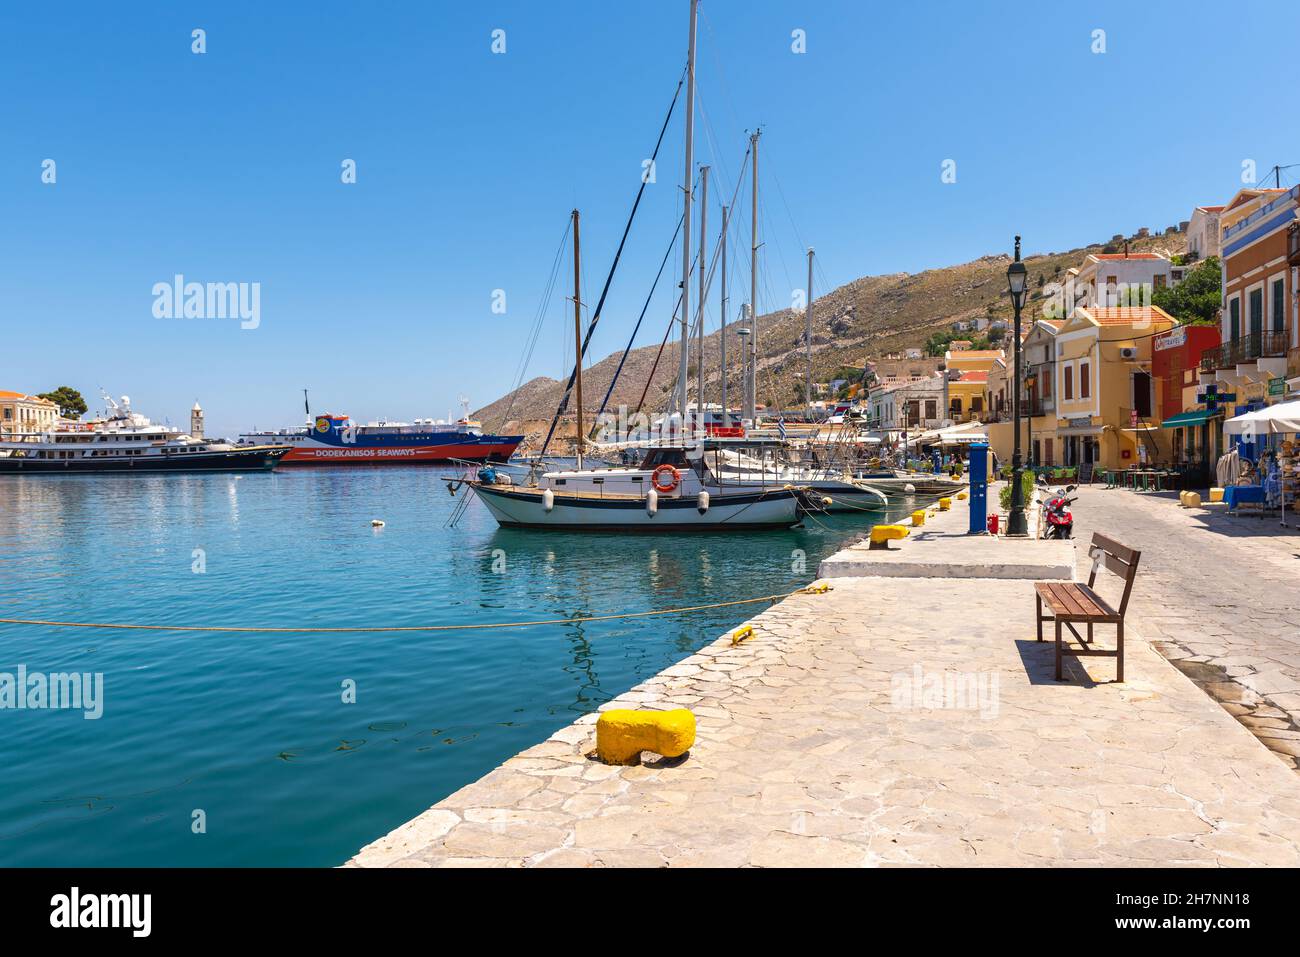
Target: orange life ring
670,470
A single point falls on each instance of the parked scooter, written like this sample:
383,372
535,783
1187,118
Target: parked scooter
1057,517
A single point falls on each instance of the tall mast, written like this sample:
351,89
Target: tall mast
577,328
704,240
722,333
684,364
752,398
807,382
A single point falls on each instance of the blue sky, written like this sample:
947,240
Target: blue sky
225,167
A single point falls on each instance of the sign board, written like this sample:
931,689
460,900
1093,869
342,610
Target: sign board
1277,386
1170,340
1133,418
1211,398
1079,422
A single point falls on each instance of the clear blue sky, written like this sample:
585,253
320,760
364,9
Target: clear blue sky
225,167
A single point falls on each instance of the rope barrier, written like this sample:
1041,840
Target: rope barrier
261,629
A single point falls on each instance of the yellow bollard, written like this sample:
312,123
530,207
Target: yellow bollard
918,517
882,535
622,734
740,634
1216,495
1193,499
961,496
945,504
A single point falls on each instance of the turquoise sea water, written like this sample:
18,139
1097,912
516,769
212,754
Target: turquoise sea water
252,729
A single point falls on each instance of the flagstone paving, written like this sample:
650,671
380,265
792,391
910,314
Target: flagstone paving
897,721
1219,596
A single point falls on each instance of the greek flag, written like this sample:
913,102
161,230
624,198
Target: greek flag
780,426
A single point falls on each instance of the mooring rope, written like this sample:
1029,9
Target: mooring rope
809,589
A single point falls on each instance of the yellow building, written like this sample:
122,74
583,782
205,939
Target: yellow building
967,385
21,413
1107,400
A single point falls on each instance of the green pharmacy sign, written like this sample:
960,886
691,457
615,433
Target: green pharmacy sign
1276,386
1211,398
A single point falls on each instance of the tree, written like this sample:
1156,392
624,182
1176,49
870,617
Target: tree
1195,300
71,404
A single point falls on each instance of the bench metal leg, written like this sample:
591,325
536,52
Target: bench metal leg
1088,640
1119,651
1059,676
1039,616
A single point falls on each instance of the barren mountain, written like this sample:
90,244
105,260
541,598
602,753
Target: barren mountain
868,318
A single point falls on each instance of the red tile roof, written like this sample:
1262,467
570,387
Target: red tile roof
1211,209
1127,315
969,375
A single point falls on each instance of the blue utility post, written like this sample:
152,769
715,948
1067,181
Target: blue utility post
978,459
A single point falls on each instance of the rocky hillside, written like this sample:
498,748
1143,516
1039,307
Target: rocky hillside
868,318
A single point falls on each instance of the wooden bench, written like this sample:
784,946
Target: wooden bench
1070,603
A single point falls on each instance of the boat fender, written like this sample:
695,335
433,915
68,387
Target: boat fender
702,503
827,501
909,488
651,502
548,500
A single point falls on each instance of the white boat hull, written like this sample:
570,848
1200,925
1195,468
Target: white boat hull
515,507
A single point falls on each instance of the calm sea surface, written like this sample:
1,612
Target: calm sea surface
252,729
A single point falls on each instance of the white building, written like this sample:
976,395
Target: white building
1203,232
914,405
1105,277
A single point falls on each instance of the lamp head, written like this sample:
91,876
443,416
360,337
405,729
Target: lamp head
1017,278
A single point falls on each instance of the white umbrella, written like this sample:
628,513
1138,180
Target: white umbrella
1280,419
1248,423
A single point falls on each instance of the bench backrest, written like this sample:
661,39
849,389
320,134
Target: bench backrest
1117,558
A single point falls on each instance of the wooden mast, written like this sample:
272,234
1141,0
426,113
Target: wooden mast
687,180
704,242
577,329
807,384
751,398
722,333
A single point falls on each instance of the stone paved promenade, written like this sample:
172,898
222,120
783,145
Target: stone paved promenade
831,739
1220,596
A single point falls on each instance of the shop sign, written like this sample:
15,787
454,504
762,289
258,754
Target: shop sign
1170,340
1277,386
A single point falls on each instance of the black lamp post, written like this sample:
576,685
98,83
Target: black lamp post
1017,286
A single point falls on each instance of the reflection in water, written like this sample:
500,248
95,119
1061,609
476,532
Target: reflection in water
252,725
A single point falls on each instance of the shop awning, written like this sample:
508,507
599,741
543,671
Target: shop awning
1184,419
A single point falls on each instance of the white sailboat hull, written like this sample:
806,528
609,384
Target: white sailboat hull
515,507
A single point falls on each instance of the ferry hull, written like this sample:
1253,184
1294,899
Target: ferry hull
499,452
236,460
519,508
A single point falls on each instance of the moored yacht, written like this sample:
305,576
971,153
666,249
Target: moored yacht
832,490
126,441
672,489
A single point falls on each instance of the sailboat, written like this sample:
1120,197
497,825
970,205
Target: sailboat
671,488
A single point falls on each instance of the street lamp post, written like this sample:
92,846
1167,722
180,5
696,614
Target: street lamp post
1017,286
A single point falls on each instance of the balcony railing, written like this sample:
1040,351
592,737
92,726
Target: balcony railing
1253,346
